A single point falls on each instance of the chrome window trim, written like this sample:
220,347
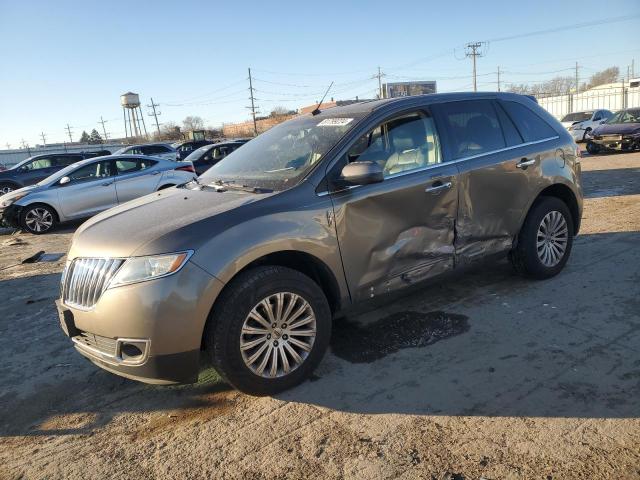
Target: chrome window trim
450,162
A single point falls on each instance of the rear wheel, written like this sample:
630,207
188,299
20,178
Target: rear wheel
269,330
545,240
592,148
38,219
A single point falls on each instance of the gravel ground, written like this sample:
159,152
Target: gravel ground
483,375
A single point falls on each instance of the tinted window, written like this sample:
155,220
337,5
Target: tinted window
65,160
511,135
128,165
400,145
92,171
155,149
473,126
530,125
598,116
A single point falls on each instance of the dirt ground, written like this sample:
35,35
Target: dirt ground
518,379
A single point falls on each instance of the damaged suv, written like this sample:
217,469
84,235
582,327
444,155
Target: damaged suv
248,264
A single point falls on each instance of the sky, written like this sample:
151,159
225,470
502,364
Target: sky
67,62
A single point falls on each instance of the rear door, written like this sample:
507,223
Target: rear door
500,167
90,190
399,231
135,177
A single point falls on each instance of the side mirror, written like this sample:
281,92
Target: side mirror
360,173
64,180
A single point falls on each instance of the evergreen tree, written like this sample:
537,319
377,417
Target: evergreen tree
95,138
84,138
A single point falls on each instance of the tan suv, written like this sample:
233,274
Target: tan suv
248,264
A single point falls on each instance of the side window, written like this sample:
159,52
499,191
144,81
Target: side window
92,171
134,151
125,166
473,127
598,116
406,143
530,125
511,135
39,164
66,160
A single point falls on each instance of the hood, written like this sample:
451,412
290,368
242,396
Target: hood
568,124
617,128
19,192
157,223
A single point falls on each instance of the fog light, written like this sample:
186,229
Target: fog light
131,350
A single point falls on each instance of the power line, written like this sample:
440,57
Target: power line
104,130
44,138
379,77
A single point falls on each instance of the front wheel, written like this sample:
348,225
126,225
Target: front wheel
269,330
545,240
38,219
6,188
592,148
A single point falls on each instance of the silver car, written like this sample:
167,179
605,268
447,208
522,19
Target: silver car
89,187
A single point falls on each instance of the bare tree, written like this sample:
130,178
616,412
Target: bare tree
608,75
169,131
193,122
280,111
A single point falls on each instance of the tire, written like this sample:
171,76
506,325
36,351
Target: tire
526,257
230,319
6,187
38,219
592,148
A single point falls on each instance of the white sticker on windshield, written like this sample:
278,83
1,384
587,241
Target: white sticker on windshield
335,122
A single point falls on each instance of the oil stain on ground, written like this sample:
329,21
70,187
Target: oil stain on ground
358,343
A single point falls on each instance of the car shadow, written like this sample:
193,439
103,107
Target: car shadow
611,183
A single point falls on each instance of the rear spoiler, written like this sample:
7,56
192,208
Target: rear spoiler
532,98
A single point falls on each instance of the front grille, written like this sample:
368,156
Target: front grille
102,344
86,279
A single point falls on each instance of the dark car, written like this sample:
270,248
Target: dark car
39,167
621,132
184,149
315,216
205,157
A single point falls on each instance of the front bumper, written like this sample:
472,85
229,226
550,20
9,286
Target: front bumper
163,319
620,144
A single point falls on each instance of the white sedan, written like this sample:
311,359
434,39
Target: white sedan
580,124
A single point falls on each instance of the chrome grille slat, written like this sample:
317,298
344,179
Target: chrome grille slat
86,280
97,342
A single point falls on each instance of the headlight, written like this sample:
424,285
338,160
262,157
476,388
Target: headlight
13,199
141,269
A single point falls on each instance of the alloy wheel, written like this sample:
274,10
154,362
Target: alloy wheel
6,189
38,219
278,335
552,239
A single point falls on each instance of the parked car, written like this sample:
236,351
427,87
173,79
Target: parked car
318,214
161,150
205,157
580,124
88,187
37,168
621,132
184,149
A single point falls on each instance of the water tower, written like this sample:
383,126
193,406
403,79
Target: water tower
132,115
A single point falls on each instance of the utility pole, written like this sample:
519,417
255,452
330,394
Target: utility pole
8,146
44,138
473,50
577,79
498,77
253,106
633,68
155,114
379,77
104,130
69,132
25,145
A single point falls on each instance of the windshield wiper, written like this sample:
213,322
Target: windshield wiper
222,185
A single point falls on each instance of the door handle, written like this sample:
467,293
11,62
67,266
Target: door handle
155,173
524,163
438,187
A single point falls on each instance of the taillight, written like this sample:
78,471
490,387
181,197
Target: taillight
186,168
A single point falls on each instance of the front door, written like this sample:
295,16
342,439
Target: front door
90,190
399,231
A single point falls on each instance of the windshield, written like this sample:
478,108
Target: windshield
625,116
120,151
19,164
62,173
283,155
577,117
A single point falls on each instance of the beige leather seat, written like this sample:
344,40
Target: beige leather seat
410,148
